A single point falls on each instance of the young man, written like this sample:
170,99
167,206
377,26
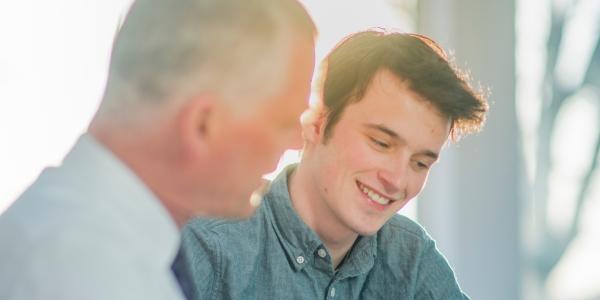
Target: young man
187,127
328,227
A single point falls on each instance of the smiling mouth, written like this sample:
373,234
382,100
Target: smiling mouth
373,195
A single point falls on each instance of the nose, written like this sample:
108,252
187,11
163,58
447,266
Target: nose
394,178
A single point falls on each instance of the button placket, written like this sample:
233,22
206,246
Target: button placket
322,253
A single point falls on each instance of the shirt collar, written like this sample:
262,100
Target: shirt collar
299,240
112,185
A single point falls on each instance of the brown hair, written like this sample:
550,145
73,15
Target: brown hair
418,60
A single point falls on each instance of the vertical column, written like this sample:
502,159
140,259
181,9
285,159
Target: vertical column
472,204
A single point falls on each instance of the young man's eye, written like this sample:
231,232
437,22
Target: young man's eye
379,143
421,165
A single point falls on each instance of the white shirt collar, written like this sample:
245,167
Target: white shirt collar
110,183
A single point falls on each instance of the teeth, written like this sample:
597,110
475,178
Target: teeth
374,196
380,200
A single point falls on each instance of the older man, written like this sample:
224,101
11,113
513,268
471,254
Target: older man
202,98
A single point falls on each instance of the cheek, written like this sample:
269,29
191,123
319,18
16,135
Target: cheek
240,152
360,157
339,163
416,184
260,148
352,150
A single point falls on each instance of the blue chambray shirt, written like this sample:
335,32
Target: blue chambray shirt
275,255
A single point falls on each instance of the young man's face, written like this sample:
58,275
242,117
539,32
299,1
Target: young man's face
251,146
377,156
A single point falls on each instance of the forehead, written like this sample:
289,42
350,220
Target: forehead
388,101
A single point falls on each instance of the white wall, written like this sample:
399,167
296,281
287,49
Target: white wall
53,59
473,204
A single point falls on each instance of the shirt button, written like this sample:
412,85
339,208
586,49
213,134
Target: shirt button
300,259
322,253
332,292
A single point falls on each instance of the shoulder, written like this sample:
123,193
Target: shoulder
50,217
68,262
218,254
408,245
215,234
402,241
207,227
55,221
403,228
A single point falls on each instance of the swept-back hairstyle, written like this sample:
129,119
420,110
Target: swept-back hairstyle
416,60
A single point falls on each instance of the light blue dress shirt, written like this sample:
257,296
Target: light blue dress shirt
88,229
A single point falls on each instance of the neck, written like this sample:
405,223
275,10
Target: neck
147,156
315,212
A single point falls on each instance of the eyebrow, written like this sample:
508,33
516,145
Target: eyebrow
394,135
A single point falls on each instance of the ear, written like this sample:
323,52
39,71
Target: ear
195,123
313,125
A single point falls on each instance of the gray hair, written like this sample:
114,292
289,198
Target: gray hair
170,49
